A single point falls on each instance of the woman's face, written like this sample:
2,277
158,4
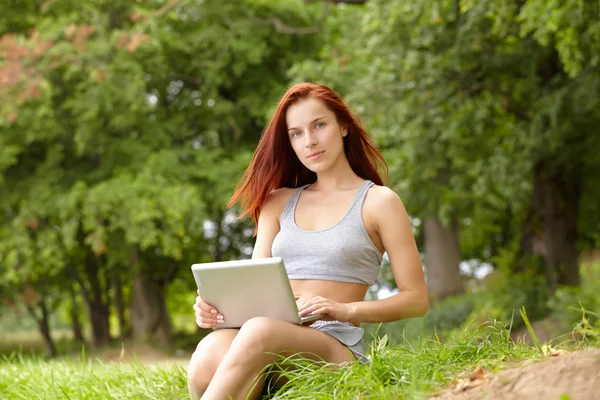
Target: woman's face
315,135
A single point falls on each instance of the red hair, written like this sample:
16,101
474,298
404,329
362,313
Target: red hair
275,164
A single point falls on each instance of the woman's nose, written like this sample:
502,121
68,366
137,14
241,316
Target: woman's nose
310,140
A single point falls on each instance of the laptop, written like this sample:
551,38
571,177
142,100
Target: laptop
244,289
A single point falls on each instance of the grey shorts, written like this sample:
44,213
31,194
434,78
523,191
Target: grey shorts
346,333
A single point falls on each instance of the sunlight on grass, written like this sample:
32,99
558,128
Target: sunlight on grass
411,370
23,378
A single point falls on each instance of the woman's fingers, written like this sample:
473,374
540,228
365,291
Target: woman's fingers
310,310
205,325
209,316
206,315
204,306
303,303
204,322
310,307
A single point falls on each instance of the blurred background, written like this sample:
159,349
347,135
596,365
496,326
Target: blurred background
125,125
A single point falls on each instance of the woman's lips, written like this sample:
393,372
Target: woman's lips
316,155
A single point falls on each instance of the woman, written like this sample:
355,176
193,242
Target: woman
318,202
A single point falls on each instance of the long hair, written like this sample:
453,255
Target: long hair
275,165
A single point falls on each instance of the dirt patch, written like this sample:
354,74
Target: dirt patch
576,375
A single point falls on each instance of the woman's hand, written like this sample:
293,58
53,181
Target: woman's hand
323,306
206,315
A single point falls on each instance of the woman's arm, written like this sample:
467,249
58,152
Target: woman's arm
268,225
395,231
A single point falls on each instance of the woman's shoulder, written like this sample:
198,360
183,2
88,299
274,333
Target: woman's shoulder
383,193
280,195
276,201
382,198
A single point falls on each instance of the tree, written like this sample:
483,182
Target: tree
565,156
486,111
125,126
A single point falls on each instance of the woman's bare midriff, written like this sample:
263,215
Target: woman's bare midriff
341,292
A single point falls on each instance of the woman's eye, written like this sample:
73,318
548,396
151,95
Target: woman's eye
320,125
296,133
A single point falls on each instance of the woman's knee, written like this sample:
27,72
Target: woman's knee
206,359
258,334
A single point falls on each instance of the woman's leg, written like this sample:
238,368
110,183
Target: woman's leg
207,357
253,348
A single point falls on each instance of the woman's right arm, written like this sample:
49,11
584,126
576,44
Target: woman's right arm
268,224
268,227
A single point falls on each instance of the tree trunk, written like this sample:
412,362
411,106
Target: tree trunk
555,210
44,326
77,330
97,304
98,312
45,330
149,316
442,258
119,304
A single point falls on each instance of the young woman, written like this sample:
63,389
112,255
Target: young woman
318,202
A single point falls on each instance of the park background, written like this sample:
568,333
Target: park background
125,126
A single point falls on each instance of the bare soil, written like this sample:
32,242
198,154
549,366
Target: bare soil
572,376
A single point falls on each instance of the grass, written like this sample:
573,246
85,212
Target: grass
404,369
33,378
410,371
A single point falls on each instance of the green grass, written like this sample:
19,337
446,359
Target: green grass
27,378
410,371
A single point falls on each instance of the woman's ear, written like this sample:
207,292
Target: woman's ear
344,132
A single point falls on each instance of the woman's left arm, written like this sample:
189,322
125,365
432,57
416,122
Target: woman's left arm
395,231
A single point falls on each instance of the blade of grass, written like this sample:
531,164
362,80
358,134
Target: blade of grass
534,337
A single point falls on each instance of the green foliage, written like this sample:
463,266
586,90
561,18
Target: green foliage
181,296
449,314
505,296
124,128
499,298
571,304
465,98
572,25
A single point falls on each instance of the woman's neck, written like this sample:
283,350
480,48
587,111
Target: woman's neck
339,177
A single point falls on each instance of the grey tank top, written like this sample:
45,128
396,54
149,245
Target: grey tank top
343,253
